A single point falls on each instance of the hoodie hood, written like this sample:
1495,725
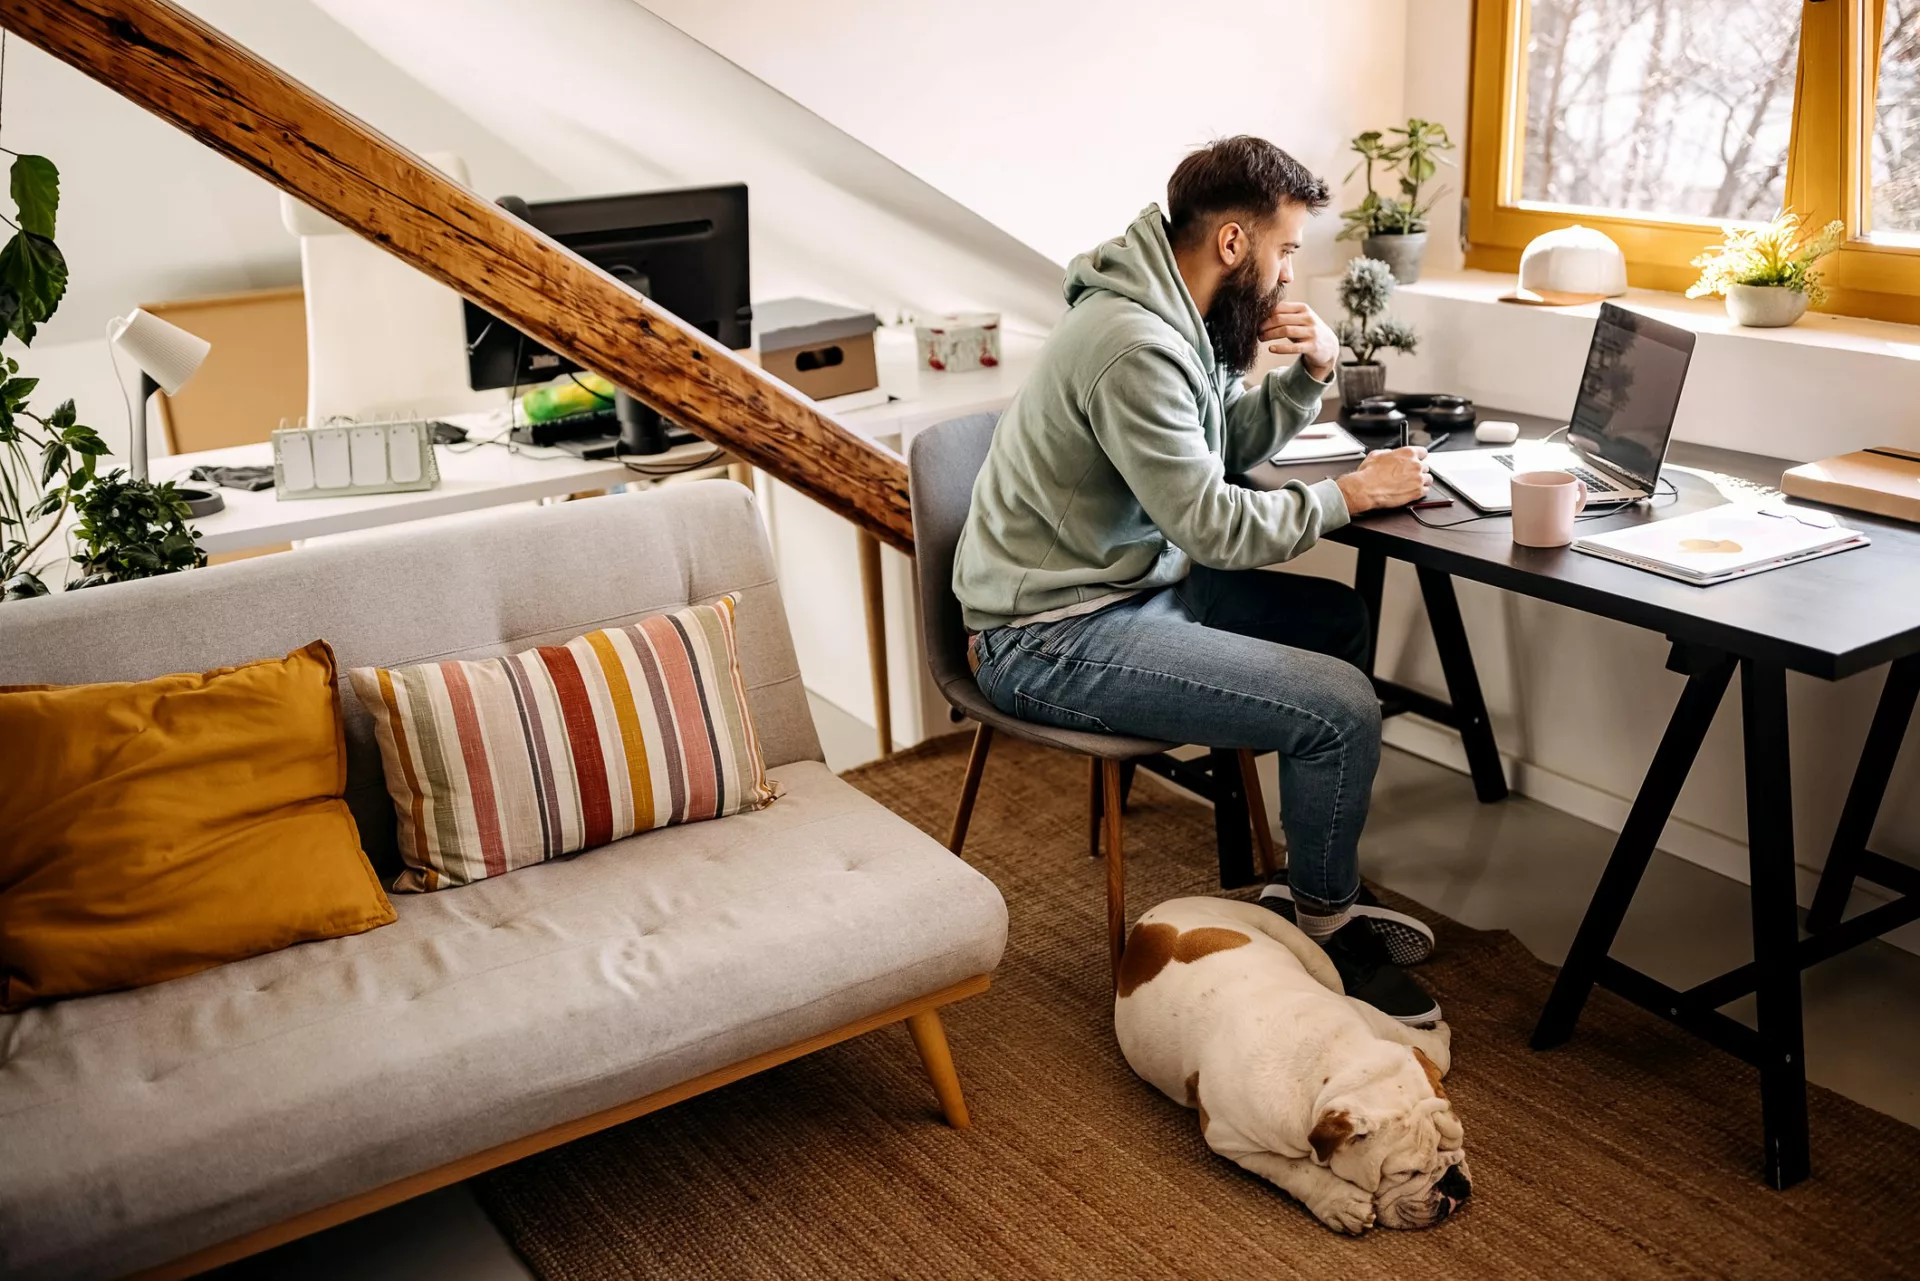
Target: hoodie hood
1139,266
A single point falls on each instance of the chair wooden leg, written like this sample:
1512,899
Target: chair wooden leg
1257,811
931,1040
1094,808
976,763
1116,868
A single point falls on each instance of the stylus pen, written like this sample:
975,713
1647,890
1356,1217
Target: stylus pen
1424,504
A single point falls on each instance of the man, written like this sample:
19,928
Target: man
1110,574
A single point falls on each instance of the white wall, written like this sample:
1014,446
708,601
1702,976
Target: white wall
147,214
1058,120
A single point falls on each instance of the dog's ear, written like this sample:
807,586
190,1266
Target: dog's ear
1334,1128
1432,1070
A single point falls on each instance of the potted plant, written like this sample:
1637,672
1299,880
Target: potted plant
1767,273
128,529
1364,291
1392,228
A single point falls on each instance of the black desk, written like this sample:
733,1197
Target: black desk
1827,618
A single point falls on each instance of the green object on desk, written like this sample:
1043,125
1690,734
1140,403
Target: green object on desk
565,397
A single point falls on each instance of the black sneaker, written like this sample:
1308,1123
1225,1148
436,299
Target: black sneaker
1367,974
1407,940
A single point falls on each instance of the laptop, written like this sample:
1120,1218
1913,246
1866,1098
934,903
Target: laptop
1622,421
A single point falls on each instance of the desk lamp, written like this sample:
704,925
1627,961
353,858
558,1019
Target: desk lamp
167,356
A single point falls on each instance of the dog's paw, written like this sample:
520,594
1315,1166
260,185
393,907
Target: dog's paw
1348,1210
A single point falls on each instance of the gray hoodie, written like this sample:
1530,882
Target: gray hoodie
1108,471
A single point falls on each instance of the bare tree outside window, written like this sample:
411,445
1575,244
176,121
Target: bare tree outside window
1677,107
1895,199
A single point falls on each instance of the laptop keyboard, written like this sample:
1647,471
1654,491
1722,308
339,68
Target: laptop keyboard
1595,481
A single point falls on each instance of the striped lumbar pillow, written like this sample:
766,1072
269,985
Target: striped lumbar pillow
498,763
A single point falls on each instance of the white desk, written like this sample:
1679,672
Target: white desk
471,477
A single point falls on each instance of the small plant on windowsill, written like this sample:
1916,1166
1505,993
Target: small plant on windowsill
1767,274
1390,228
1366,332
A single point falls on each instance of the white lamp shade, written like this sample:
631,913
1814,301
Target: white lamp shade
169,354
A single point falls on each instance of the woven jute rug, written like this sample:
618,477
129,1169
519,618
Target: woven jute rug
1633,1151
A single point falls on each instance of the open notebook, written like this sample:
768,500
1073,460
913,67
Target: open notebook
1320,443
1720,543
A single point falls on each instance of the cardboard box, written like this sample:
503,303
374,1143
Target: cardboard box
816,347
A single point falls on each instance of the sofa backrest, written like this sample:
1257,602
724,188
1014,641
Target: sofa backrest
493,583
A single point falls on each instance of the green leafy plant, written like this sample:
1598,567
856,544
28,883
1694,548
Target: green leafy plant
1778,254
1364,291
129,529
1412,154
132,529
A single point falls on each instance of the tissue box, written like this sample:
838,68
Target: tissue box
816,347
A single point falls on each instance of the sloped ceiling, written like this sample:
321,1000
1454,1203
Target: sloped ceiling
611,97
1057,120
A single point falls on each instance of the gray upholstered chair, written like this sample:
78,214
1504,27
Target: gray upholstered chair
942,463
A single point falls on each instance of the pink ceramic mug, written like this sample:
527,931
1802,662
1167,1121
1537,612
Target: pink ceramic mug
1544,505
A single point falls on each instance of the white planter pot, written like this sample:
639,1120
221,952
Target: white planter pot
1765,306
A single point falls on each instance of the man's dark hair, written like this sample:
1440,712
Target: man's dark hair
1241,175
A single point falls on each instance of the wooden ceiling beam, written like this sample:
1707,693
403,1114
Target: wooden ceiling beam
164,59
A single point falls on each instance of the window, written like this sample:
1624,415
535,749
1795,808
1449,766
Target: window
1658,121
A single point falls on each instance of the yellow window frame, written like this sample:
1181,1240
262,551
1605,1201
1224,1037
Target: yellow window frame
1827,164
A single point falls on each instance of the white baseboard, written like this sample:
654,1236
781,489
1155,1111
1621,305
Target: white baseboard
1699,845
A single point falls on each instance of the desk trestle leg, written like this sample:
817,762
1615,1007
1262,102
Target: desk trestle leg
1631,853
1776,1046
1849,858
1776,922
1463,685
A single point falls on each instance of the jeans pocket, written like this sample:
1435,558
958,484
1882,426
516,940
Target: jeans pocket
1041,712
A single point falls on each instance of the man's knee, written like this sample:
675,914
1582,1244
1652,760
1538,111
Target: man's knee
1340,700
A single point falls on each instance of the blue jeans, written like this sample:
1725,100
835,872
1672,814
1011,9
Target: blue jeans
1225,659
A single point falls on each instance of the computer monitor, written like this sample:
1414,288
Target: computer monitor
685,249
1630,392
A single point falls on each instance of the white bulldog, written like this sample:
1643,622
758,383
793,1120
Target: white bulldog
1228,1008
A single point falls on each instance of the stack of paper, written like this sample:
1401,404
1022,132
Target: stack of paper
1726,542
1320,443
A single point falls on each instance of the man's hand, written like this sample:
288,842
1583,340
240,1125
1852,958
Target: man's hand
1294,330
1387,478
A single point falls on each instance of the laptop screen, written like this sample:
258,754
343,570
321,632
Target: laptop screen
1629,392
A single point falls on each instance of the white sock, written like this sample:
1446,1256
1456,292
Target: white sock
1319,928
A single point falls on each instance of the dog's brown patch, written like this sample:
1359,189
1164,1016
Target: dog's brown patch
1193,1099
1149,949
1329,1132
1205,941
1153,946
1432,1070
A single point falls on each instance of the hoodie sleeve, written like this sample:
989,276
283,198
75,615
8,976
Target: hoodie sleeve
1145,413
1262,419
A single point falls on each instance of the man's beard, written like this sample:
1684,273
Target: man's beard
1238,311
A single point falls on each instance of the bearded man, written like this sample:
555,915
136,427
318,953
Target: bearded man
1110,574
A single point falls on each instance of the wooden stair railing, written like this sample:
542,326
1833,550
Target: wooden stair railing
176,66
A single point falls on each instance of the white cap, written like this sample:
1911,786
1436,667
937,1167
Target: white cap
1572,265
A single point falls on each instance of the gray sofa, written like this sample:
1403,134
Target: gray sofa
202,1119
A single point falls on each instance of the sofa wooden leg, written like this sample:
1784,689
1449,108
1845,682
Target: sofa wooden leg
1257,811
1116,867
931,1040
976,764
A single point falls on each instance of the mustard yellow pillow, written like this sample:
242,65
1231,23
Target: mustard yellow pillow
154,828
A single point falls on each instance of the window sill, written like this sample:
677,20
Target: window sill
1701,315
1824,386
